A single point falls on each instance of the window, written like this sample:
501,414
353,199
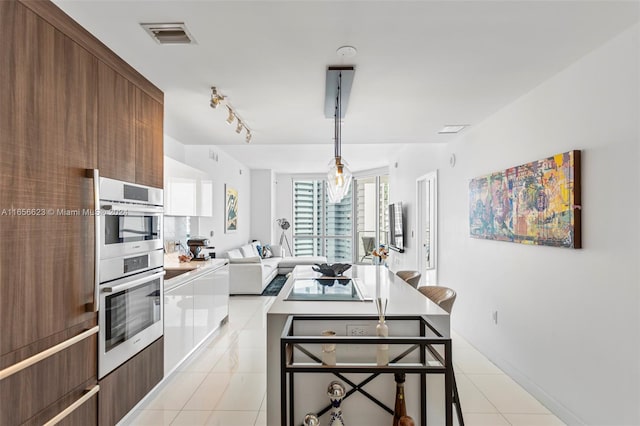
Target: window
372,215
320,228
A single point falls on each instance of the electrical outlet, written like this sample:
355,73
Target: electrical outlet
494,317
357,330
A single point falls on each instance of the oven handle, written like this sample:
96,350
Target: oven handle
133,283
133,208
95,174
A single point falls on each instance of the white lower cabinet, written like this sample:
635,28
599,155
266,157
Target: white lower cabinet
192,311
178,324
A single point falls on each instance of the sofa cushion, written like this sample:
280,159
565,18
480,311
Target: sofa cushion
291,262
247,250
277,251
250,259
272,261
234,254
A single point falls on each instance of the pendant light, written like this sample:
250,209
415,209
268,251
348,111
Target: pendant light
339,176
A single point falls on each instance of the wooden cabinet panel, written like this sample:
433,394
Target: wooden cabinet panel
48,111
149,140
41,391
85,415
123,388
116,125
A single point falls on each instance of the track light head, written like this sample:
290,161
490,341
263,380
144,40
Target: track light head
248,136
231,116
216,98
239,127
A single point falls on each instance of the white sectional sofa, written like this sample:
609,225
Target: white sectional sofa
249,273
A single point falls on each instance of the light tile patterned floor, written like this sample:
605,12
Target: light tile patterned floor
224,383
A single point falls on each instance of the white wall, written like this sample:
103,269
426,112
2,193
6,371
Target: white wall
412,162
173,148
223,169
263,200
569,320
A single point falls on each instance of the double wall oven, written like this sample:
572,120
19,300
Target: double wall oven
129,248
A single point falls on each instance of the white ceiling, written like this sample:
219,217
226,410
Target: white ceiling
420,65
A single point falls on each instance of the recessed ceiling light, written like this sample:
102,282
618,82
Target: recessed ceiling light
452,128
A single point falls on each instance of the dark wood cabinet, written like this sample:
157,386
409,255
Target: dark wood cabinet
116,125
48,111
38,393
123,388
130,138
149,140
67,104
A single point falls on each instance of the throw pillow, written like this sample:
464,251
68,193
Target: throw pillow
259,248
266,252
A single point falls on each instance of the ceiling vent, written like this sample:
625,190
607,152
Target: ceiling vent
171,33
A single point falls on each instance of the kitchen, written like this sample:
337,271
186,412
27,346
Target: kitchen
78,124
70,106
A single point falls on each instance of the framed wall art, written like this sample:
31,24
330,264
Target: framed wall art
535,203
231,209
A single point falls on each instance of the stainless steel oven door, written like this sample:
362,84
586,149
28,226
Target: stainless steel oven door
130,318
129,229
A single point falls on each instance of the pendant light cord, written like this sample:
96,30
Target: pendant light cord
337,116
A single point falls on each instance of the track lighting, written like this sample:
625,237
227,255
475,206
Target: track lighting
218,99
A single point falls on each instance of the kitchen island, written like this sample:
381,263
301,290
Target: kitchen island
372,281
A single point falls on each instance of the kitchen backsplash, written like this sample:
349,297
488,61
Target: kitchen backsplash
177,228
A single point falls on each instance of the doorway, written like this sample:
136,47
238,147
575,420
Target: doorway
427,226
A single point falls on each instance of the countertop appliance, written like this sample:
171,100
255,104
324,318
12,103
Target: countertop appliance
196,245
131,273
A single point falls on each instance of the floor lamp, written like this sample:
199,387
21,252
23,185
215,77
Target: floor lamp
284,225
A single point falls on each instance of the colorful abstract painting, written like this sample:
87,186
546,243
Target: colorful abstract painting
231,210
535,203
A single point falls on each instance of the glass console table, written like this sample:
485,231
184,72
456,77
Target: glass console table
425,354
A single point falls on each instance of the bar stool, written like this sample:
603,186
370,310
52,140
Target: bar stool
410,277
441,296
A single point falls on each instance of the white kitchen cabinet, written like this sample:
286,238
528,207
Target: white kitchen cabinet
193,310
178,324
188,191
221,294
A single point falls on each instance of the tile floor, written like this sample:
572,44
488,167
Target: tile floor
224,382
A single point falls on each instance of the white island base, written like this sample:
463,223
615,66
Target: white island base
311,388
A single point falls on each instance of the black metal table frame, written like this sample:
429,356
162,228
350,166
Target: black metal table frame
289,341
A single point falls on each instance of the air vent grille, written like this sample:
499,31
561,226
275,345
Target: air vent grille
169,33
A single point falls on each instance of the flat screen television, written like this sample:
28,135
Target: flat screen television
396,227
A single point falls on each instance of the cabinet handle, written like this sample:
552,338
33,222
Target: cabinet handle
95,174
117,288
13,369
132,208
70,409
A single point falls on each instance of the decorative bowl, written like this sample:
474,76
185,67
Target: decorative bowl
335,270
